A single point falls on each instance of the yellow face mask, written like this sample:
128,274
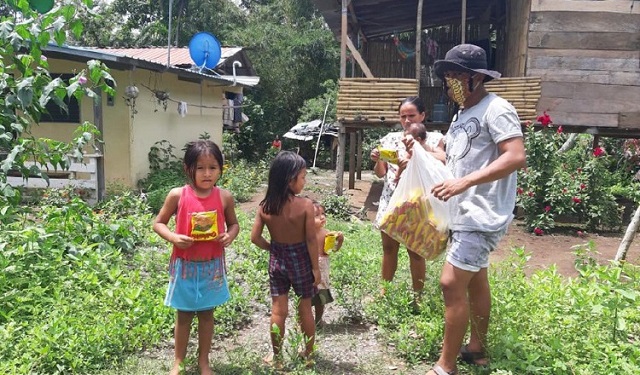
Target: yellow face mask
459,90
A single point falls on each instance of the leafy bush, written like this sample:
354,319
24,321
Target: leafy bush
575,183
337,206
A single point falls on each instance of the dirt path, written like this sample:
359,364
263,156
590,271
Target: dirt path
339,342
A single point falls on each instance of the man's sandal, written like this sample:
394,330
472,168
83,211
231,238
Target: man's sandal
472,358
440,371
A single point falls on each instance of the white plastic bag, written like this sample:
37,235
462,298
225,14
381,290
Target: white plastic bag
414,217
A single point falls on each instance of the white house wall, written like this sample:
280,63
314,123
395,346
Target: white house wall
128,139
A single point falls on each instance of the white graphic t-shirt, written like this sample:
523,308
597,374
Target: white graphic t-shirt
472,144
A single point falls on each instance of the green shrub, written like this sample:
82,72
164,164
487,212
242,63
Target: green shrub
576,183
337,206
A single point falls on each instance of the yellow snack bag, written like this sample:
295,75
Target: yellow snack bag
329,242
204,225
388,155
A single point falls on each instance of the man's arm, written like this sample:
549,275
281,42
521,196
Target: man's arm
512,157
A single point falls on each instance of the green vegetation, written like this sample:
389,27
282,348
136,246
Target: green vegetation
81,290
582,183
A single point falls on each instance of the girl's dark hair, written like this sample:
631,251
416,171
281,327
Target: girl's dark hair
285,167
416,101
193,150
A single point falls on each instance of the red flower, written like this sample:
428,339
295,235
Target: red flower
547,209
577,200
598,151
560,129
538,231
544,119
564,190
583,186
519,191
530,193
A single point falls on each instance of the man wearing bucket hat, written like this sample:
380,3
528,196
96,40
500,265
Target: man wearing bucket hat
484,149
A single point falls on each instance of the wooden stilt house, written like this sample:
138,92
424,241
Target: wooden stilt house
579,60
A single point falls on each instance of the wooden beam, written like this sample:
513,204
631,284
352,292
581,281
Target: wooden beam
356,55
359,156
343,41
418,39
586,40
629,120
630,7
352,160
341,158
463,22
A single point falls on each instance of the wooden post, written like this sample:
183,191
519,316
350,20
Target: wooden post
418,40
463,23
343,41
97,121
352,160
340,162
359,155
632,229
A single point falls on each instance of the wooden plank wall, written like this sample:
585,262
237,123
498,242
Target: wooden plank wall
513,48
587,53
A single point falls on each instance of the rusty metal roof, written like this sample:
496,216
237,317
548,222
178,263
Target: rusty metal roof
158,55
154,58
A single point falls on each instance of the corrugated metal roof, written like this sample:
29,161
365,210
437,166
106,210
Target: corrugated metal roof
158,55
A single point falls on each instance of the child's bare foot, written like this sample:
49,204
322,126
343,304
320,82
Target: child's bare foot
205,369
175,370
273,361
309,362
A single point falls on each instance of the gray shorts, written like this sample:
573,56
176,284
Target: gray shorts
470,250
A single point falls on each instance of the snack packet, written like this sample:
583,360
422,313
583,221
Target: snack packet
388,155
204,225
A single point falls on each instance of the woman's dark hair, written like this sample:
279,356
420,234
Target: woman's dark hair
416,101
285,167
193,150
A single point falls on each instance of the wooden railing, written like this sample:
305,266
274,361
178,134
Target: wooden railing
81,175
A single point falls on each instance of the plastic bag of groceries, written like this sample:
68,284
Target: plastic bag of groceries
414,217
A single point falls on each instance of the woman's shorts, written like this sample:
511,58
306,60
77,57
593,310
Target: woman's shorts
197,286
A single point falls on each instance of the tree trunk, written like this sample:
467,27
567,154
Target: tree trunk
569,143
628,236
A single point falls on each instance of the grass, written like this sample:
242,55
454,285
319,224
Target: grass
73,301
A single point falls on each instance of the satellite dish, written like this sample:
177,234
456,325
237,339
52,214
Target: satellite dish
205,50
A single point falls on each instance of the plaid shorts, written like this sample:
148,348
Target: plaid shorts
290,265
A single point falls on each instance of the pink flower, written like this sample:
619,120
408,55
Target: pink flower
530,193
583,186
598,151
580,233
564,190
538,231
519,191
544,119
82,80
577,200
560,129
547,209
